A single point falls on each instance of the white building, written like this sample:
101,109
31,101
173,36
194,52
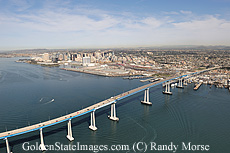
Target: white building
86,61
45,57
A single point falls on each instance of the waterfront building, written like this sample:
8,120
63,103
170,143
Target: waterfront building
45,57
65,56
86,61
60,57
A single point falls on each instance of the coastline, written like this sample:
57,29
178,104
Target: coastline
96,73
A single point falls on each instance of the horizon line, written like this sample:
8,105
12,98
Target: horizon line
106,47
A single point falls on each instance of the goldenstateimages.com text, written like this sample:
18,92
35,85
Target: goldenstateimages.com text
136,147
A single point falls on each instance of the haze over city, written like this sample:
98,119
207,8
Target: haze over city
131,23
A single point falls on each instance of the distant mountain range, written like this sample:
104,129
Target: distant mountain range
195,47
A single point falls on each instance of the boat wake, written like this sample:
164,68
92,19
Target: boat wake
46,100
50,101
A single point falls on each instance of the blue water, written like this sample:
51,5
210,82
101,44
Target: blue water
26,92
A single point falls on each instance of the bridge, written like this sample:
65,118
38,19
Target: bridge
91,109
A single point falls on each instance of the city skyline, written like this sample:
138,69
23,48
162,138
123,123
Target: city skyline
138,23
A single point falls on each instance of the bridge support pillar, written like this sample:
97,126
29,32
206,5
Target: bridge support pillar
70,135
93,124
7,146
113,113
180,85
228,81
146,98
42,145
186,81
167,89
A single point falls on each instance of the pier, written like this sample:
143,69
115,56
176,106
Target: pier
197,86
147,80
136,77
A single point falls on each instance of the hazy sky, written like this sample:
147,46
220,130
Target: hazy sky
113,23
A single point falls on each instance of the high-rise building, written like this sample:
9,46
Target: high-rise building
60,57
85,61
65,57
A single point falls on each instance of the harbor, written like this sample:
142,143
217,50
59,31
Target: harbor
82,91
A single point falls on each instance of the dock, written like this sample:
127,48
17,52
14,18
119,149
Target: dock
135,77
154,80
147,80
197,86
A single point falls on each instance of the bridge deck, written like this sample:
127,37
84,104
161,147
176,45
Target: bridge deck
85,110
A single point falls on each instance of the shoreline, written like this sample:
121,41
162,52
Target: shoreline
96,73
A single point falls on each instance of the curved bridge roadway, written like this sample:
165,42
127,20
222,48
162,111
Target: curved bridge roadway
89,109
